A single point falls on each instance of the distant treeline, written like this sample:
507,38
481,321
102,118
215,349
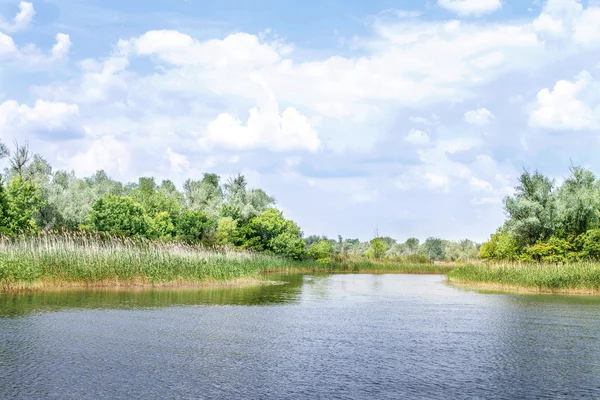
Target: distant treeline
34,197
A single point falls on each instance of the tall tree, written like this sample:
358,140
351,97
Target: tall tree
531,210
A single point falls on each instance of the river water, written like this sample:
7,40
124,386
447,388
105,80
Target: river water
314,337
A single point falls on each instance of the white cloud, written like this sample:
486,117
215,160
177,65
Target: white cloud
569,105
18,118
22,20
265,127
569,19
470,7
480,116
30,55
178,162
417,136
105,153
61,47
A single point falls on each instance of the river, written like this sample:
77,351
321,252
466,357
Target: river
314,337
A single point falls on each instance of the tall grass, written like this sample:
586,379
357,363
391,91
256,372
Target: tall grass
91,260
361,265
53,260
575,277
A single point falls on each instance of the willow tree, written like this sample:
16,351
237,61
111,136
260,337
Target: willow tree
531,211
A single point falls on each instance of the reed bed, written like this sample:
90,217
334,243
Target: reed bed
365,266
89,260
552,278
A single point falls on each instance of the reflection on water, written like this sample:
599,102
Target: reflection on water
327,336
127,298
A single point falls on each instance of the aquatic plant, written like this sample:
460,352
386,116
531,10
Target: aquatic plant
543,277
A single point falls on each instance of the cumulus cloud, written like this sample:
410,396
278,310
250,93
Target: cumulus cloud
569,19
22,20
569,105
470,7
44,116
105,153
266,127
30,55
417,136
480,116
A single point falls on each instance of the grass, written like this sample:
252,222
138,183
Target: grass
81,260
546,278
365,266
86,260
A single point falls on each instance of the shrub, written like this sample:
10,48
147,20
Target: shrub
119,215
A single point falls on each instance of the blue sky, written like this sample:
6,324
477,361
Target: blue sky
413,117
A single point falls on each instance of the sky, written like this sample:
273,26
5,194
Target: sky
409,118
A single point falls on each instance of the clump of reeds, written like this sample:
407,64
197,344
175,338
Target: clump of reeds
574,277
361,265
50,260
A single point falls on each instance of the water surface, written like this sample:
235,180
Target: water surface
330,337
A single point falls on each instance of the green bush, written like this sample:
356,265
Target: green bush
119,215
501,246
554,250
321,249
193,226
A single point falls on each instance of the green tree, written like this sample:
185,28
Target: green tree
24,201
378,248
226,231
193,226
578,203
501,246
271,232
531,211
320,250
161,226
412,245
119,215
434,248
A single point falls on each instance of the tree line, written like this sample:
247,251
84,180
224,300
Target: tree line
549,222
34,198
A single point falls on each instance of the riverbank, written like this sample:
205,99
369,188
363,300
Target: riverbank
83,261
575,278
47,261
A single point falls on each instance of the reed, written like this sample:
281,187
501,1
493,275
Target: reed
365,266
92,260
581,277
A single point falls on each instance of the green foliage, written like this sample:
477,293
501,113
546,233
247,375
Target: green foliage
501,246
226,231
591,245
578,203
434,248
4,205
532,210
119,215
161,226
553,250
193,226
155,200
24,200
271,232
412,245
378,248
320,250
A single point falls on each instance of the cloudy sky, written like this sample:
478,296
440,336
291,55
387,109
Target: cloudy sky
411,116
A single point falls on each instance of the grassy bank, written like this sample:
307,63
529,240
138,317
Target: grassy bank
545,278
364,266
82,260
70,261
